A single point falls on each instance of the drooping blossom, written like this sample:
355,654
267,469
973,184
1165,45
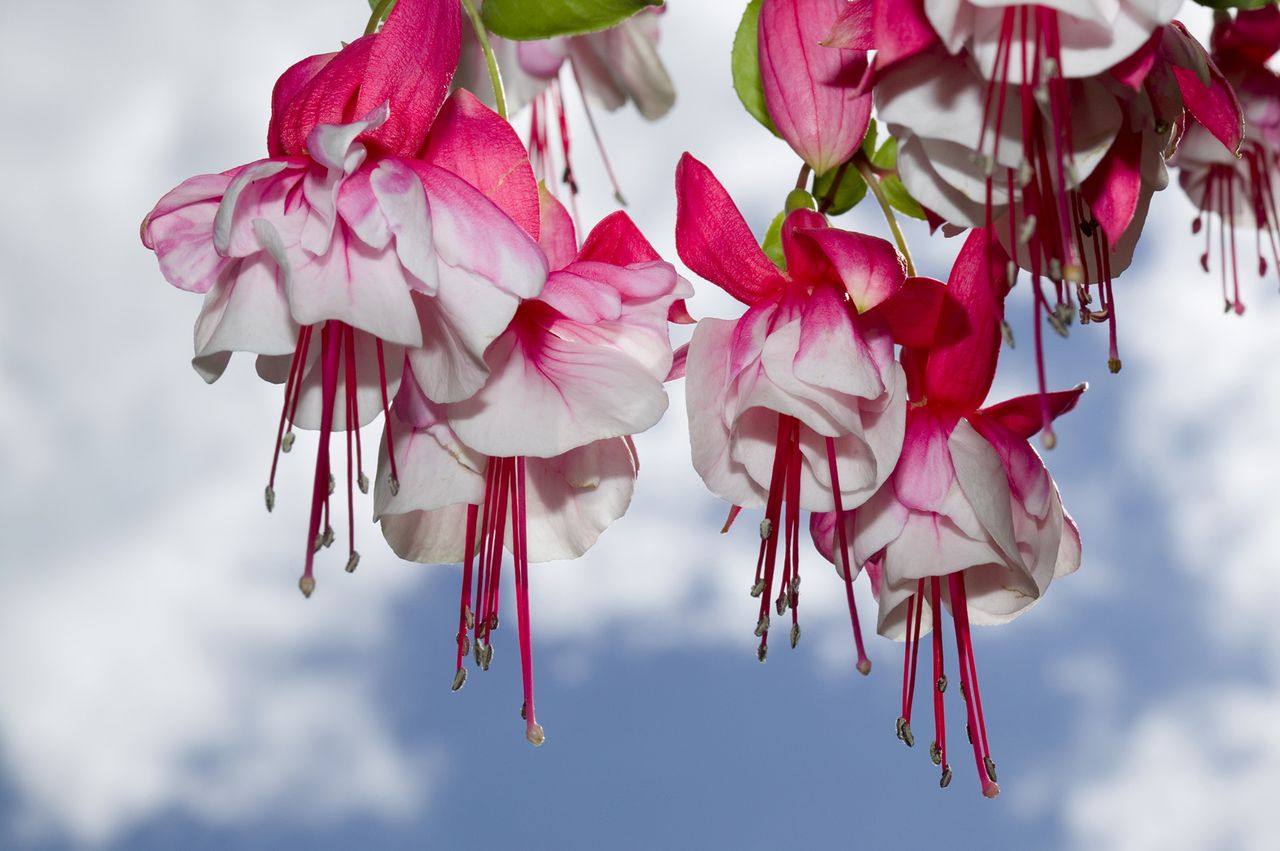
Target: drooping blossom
539,461
799,403
807,87
350,246
612,67
1240,191
970,519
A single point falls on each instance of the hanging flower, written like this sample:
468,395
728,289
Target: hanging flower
970,519
1240,191
344,250
799,403
539,461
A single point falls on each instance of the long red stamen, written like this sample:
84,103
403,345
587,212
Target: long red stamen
910,659
533,730
969,686
939,750
330,356
844,562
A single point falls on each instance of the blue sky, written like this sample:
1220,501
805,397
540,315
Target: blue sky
163,684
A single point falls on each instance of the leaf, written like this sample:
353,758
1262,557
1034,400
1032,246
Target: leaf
527,20
851,190
899,198
887,156
746,66
772,244
1235,4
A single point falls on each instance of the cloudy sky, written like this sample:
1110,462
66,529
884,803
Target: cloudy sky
163,684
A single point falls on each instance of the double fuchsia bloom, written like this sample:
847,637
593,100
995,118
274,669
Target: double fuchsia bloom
807,87
798,404
1239,190
345,249
970,519
540,460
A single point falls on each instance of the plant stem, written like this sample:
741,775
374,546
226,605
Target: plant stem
863,165
380,11
495,75
802,180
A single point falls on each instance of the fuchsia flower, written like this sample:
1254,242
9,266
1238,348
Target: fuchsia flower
540,460
1239,190
970,502
806,87
799,403
354,243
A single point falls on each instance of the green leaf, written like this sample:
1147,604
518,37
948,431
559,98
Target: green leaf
746,66
525,20
1235,4
851,190
887,156
869,140
899,198
772,244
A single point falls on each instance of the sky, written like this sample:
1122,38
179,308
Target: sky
163,684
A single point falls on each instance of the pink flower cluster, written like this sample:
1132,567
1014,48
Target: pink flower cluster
401,253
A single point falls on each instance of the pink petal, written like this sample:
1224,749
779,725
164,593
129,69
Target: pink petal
713,239
823,121
1211,102
925,473
914,311
869,267
470,140
1113,189
180,231
548,393
960,370
288,87
246,311
617,240
854,27
832,354
407,64
985,485
433,468
901,30
557,237
572,498
679,362
542,59
1249,39
706,388
1021,415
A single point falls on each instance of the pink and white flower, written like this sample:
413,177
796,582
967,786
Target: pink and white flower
970,502
344,249
799,403
540,460
1240,190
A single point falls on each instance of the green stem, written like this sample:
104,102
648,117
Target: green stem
864,167
380,11
495,75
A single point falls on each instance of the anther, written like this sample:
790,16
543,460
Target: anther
271,498
353,561
757,589
795,635
469,617
459,679
1196,224
795,587
762,652
1055,270
1024,174
464,642
329,537
318,542
493,621
964,694
1072,272
363,483
781,604
333,484
286,442
479,652
395,486
1050,67
987,163
488,657
524,716
935,753
945,780
864,666
1162,126
991,768
1113,365
904,732
1011,274
306,585
1027,230
535,735
941,684
1006,331
762,626
766,529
